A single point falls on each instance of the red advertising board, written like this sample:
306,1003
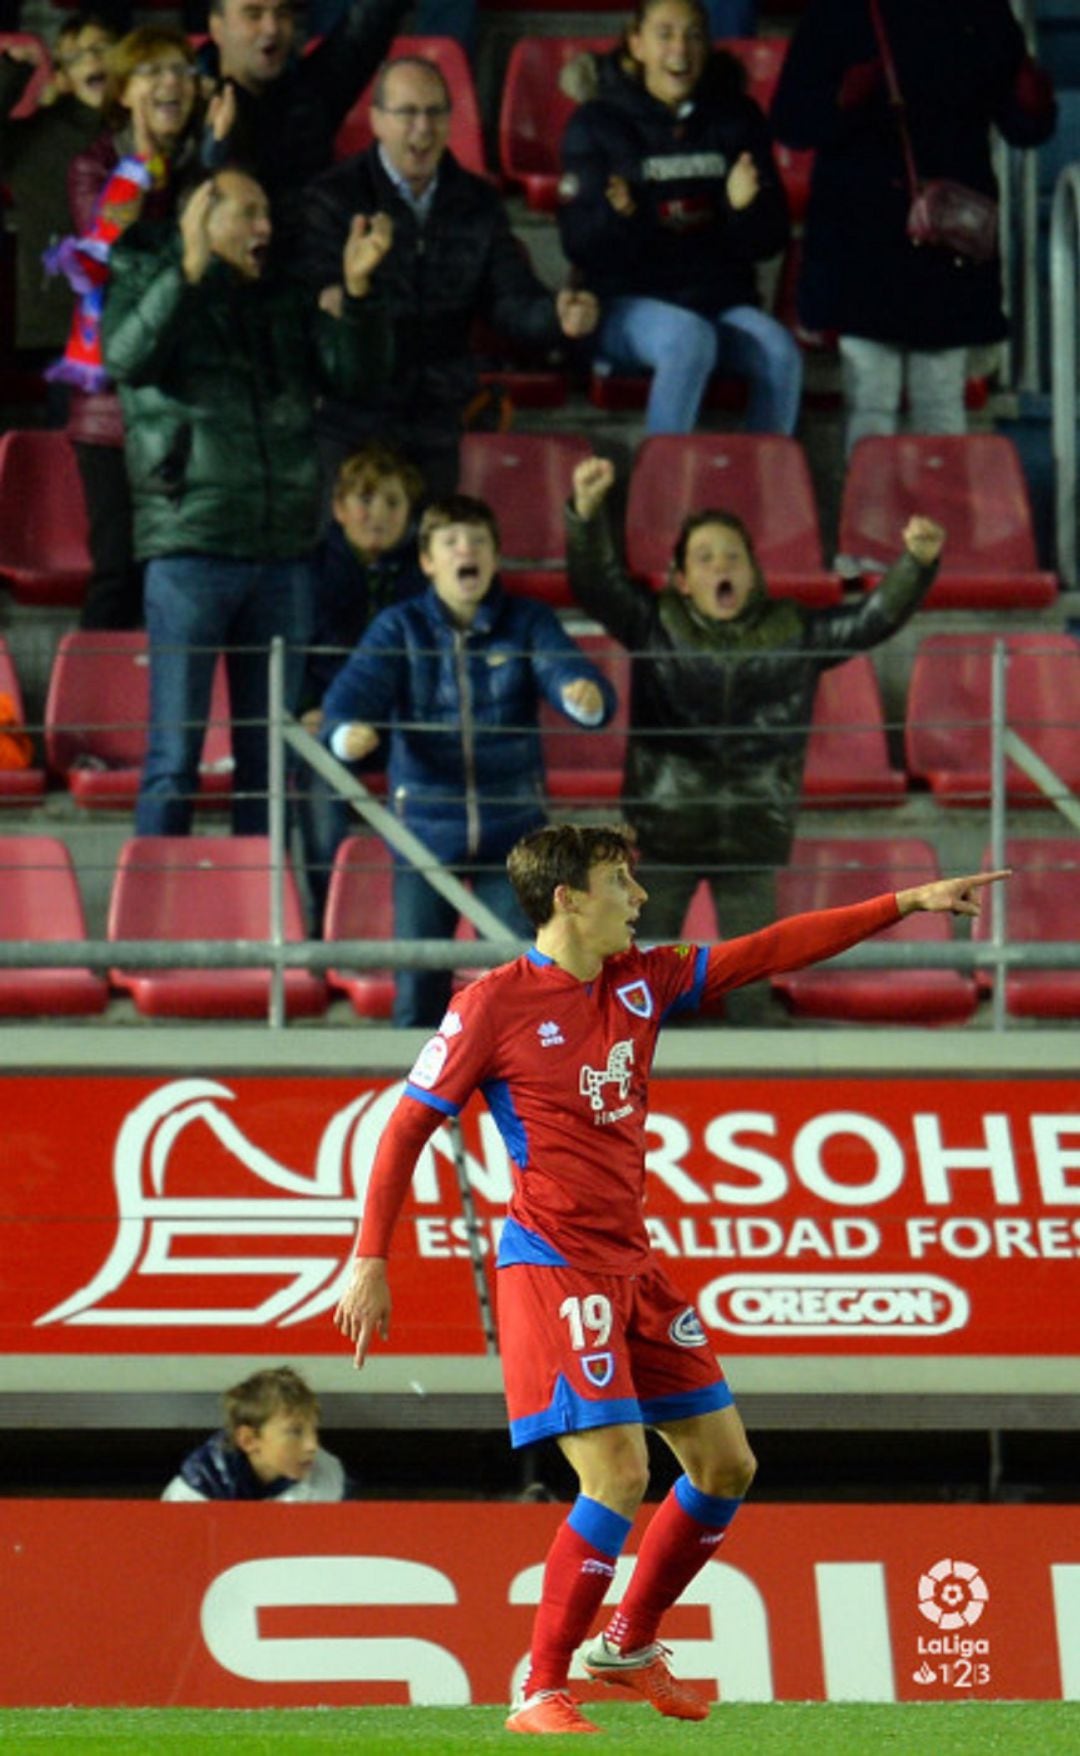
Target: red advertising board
249,1606
860,1215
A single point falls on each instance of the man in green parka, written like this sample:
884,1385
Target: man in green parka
219,360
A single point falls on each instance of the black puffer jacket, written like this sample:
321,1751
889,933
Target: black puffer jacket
218,384
463,263
684,243
720,711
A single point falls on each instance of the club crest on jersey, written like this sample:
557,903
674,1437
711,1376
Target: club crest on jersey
599,1369
637,998
687,1329
620,1061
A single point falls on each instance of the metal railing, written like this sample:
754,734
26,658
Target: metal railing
495,944
1064,269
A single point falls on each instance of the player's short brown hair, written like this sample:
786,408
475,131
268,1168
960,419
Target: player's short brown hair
562,853
275,1390
456,509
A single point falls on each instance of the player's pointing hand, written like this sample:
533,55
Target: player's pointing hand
954,896
364,1310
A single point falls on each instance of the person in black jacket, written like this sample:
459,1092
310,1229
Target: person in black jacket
454,258
906,315
668,198
286,109
721,700
367,561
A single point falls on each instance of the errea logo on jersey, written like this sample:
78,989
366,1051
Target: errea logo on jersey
549,1033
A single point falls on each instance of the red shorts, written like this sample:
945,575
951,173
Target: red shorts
582,1350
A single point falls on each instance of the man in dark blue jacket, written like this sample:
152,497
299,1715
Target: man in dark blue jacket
454,681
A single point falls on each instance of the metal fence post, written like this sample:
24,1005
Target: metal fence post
277,820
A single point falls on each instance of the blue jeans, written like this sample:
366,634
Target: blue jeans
684,349
421,996
195,606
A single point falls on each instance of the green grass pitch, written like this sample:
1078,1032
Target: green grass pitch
967,1728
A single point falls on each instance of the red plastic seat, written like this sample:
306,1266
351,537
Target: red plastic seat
360,905
18,786
96,717
948,713
41,76
466,139
205,887
764,478
586,767
526,479
534,113
762,58
1040,907
974,485
831,873
847,758
44,553
39,900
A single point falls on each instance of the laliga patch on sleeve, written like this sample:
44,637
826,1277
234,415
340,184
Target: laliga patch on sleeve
429,1063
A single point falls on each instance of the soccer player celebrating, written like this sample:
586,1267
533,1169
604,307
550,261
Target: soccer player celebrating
597,1343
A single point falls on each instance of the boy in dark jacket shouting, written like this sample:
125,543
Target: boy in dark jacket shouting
454,680
218,365
721,702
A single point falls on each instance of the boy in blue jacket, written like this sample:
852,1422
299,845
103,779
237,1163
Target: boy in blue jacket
451,684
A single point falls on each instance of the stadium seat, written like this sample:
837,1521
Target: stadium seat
847,758
974,485
39,900
466,140
832,873
764,478
44,554
96,716
526,478
205,887
360,905
39,79
584,767
947,735
1040,907
762,58
18,786
534,113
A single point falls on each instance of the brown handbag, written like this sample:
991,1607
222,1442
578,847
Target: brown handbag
943,214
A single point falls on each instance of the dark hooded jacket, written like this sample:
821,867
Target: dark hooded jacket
684,243
720,711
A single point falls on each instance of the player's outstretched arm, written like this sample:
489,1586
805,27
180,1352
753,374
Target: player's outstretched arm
364,1309
955,896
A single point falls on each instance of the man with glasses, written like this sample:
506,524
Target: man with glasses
454,258
286,109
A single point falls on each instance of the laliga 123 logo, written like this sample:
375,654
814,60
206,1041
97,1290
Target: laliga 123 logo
953,1595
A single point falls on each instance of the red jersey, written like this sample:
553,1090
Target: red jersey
564,1066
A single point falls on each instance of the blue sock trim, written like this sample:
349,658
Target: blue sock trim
598,1525
707,1509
